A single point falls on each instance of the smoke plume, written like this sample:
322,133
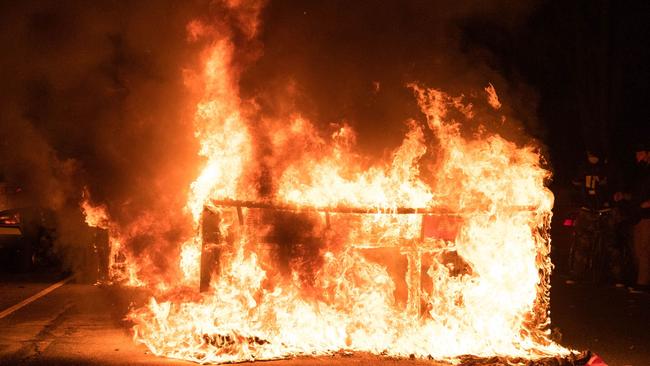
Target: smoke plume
94,94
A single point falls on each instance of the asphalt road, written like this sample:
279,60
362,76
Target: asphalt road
611,321
79,324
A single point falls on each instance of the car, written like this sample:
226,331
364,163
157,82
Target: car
26,237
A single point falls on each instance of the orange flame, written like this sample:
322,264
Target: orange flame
493,98
95,216
121,266
482,291
439,251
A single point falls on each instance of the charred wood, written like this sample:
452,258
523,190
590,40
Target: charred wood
352,210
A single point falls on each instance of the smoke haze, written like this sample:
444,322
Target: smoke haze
93,93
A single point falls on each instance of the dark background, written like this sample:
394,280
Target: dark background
588,60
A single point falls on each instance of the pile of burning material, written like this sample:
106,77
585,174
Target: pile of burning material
438,229
259,220
379,260
302,247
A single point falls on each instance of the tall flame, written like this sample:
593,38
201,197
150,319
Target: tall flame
481,289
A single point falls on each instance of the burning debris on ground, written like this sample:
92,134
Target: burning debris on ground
576,359
369,184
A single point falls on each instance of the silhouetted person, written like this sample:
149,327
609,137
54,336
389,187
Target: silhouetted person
594,252
639,198
592,181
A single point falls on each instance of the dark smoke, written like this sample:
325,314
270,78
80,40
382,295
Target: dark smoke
93,94
351,61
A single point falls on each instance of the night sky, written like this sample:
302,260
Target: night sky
588,60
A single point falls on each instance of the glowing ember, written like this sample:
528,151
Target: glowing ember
493,98
441,251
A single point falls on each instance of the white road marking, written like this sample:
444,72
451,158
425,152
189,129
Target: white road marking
33,298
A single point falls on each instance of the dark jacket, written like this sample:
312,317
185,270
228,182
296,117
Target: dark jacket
593,182
640,191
